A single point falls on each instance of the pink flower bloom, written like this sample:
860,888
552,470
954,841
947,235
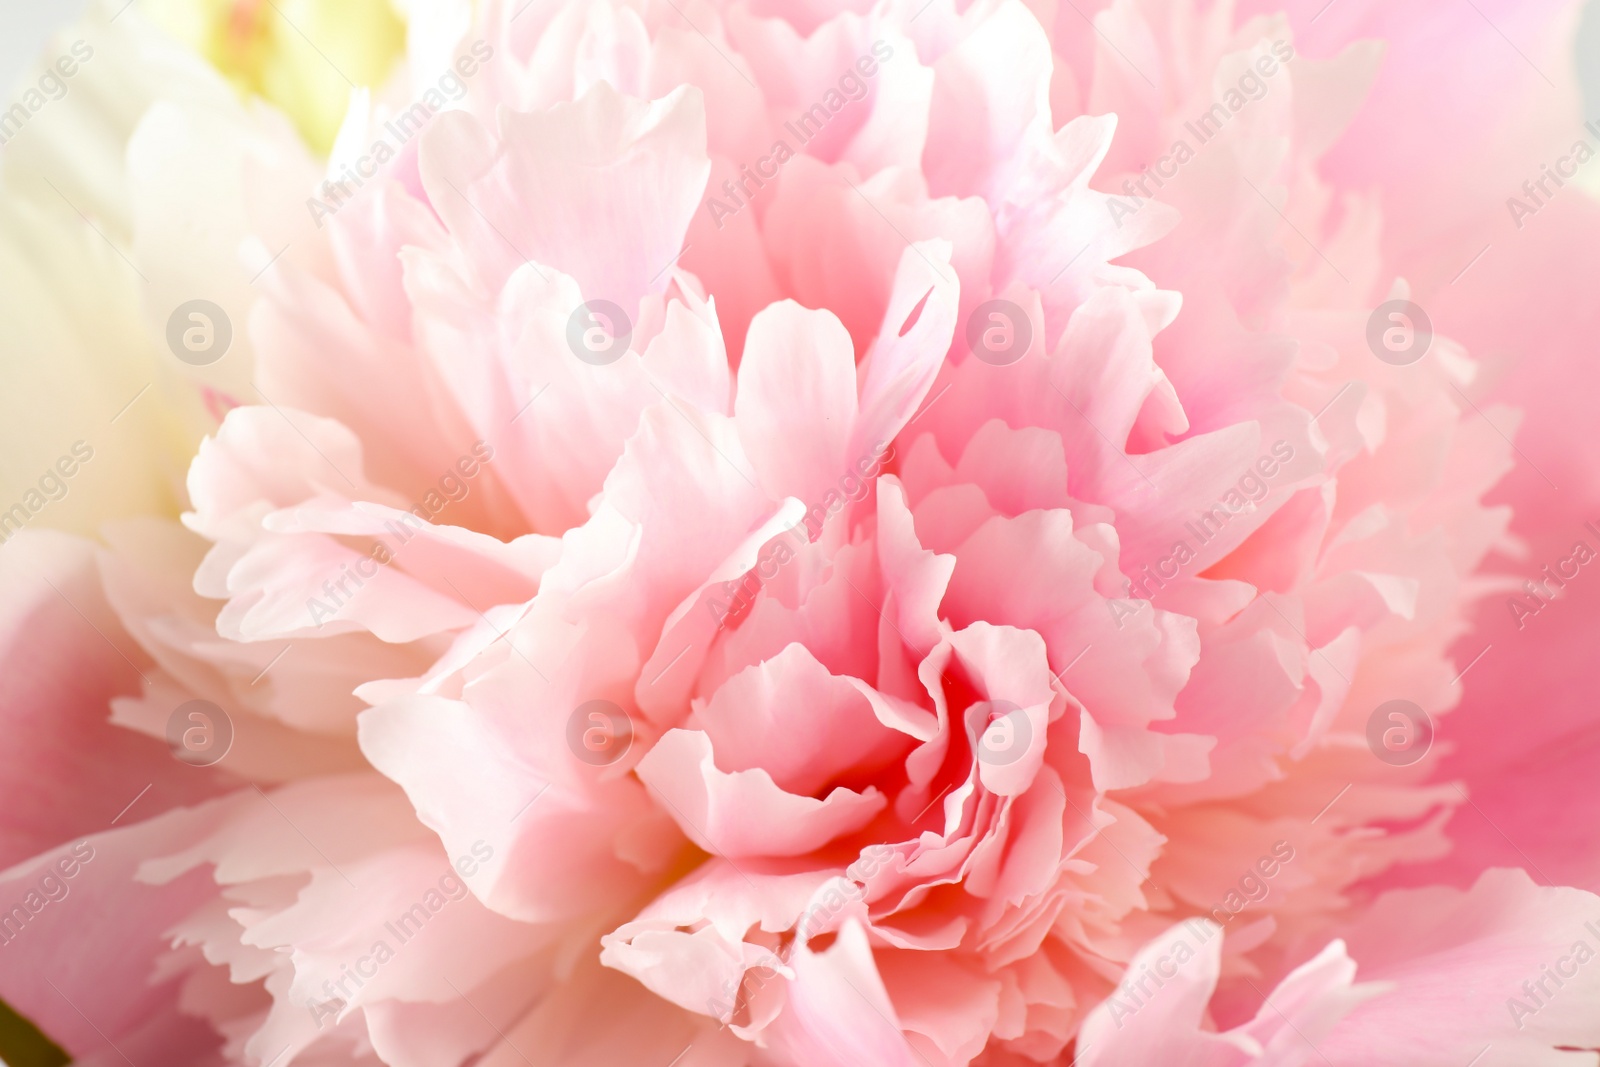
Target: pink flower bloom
806,537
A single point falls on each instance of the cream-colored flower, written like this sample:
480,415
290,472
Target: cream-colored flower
302,55
127,149
93,423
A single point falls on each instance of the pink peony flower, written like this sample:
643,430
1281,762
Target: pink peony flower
799,537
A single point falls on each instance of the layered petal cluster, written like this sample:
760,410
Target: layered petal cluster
803,535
